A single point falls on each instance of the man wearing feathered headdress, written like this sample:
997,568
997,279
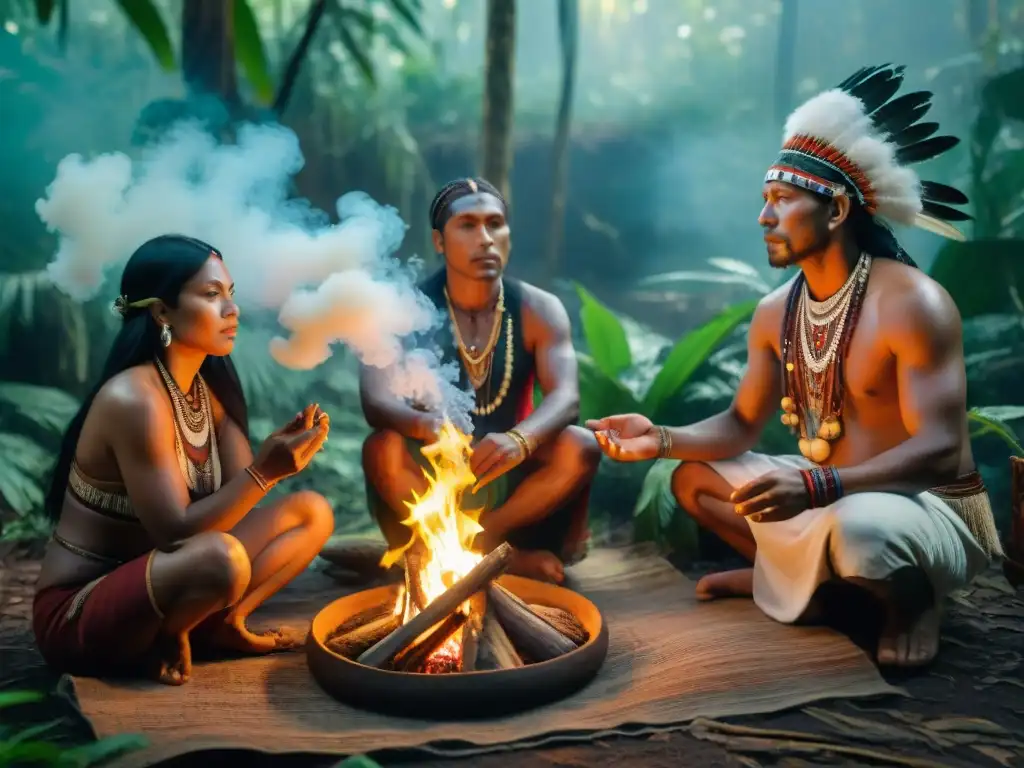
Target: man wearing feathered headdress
862,353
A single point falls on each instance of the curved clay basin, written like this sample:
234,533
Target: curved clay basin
458,695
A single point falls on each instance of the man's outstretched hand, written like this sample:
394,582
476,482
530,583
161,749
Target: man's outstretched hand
630,437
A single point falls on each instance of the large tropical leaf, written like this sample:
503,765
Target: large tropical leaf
358,761
17,698
994,420
606,338
251,53
48,407
690,352
600,394
101,751
981,274
655,505
144,16
23,464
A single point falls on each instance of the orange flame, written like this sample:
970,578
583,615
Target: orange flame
438,519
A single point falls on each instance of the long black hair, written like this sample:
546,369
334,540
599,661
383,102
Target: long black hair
159,269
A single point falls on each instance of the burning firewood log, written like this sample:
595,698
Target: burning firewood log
414,657
496,650
353,642
532,635
471,632
413,584
563,621
488,569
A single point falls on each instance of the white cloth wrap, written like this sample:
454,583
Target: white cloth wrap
866,535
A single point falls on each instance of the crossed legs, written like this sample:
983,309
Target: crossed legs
214,581
910,635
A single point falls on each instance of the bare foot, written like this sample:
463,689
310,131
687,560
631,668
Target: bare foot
910,642
172,659
235,636
537,564
726,584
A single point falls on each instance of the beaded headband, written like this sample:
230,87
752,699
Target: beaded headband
440,208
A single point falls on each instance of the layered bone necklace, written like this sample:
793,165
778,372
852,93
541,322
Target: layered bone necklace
814,385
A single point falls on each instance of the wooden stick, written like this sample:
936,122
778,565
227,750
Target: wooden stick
414,657
532,636
472,630
563,621
496,650
413,583
365,616
488,569
354,642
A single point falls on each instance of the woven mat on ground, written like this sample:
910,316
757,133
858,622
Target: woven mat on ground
670,660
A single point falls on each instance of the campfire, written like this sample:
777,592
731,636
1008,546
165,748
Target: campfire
450,614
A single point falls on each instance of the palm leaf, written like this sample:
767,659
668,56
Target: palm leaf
251,53
690,352
994,420
409,11
145,18
47,407
606,338
23,464
354,48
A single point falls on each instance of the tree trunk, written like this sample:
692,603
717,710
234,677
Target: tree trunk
498,108
208,50
568,26
785,55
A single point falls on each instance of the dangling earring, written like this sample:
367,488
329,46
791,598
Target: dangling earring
165,335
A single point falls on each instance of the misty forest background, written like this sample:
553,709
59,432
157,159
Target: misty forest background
631,135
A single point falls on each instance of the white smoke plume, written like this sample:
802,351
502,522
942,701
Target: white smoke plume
328,282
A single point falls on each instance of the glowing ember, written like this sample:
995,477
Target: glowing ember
443,534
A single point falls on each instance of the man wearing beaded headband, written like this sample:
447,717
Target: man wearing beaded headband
864,354
533,466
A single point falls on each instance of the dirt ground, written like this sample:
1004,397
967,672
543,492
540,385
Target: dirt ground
966,710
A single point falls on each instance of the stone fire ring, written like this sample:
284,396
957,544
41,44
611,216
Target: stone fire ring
465,695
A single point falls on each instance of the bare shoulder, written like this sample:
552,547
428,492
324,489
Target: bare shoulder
913,303
543,311
771,312
131,396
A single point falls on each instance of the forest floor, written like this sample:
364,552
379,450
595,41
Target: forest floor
966,710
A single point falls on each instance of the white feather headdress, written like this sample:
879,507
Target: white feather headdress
854,140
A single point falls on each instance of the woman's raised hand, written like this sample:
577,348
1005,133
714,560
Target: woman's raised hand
288,450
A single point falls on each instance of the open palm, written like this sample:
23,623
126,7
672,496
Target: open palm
627,437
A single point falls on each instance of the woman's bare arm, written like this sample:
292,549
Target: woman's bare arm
143,446
233,447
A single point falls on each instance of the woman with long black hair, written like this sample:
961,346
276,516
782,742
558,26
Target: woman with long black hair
159,543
